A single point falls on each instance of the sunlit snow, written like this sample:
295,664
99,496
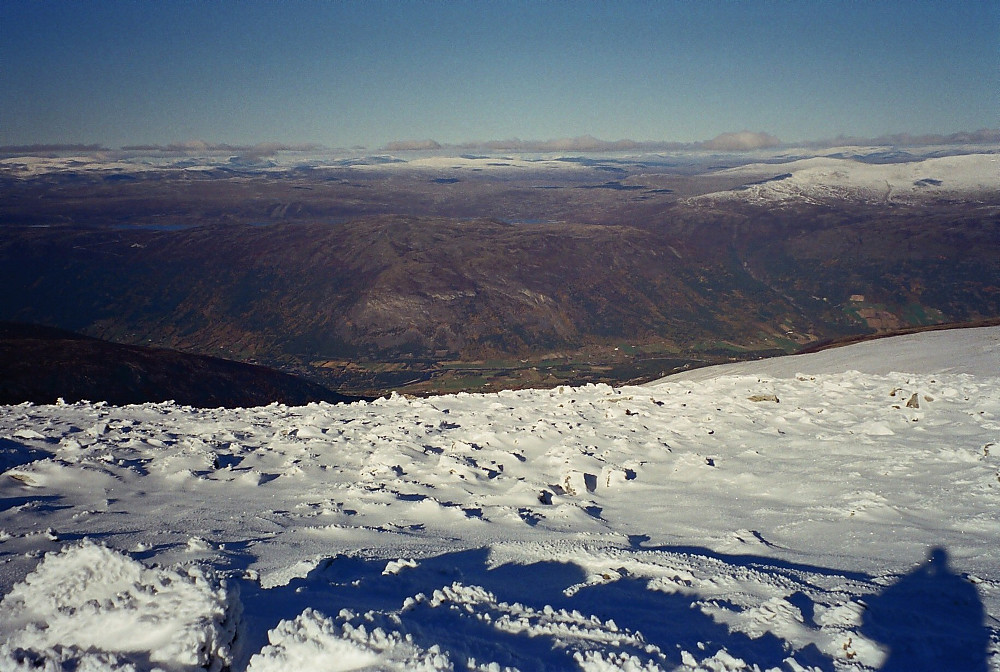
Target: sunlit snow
823,178
835,511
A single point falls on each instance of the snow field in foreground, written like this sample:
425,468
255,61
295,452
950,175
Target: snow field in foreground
753,517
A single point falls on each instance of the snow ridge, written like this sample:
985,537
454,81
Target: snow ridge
824,180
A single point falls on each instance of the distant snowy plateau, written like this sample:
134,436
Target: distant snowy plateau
827,180
877,175
833,511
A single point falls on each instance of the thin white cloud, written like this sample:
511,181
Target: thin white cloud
196,147
741,141
982,136
583,143
51,149
411,145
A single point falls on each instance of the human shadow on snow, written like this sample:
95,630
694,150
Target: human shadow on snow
673,622
931,619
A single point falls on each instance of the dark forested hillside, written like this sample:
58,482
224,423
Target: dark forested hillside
43,364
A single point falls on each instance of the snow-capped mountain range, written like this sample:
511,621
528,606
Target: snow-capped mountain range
870,174
826,179
834,511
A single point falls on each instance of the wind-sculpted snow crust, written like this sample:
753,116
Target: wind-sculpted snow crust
88,597
831,519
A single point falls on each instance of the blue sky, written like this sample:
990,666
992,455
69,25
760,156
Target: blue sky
367,73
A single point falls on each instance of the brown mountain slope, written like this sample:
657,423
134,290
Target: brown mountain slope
284,271
377,288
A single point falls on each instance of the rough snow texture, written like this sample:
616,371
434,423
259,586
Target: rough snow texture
87,597
825,512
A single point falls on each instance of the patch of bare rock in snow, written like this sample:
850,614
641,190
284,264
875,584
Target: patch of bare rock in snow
826,512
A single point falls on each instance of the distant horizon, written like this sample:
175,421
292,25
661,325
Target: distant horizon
742,141
383,74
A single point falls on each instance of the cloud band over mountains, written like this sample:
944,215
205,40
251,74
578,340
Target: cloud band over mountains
259,150
728,142
739,141
411,145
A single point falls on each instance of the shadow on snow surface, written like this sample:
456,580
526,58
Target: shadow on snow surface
931,619
672,622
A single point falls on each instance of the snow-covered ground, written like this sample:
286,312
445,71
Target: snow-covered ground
32,166
828,179
835,511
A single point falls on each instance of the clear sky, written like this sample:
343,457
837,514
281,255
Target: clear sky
369,72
